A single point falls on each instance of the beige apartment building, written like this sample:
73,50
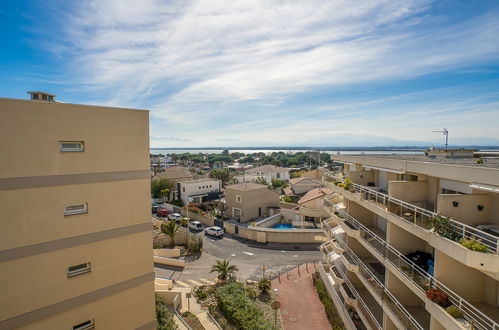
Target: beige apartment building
75,227
249,201
388,244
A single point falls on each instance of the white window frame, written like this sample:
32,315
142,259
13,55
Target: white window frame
87,268
240,213
78,211
90,324
81,147
239,199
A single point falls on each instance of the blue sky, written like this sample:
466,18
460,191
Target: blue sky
266,73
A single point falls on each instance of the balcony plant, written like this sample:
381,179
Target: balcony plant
474,245
438,297
454,312
347,184
442,226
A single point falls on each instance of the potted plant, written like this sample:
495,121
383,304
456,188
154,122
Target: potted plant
438,297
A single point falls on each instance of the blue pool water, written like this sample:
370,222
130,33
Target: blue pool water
283,226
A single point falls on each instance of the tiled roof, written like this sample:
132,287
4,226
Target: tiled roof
267,169
315,193
247,186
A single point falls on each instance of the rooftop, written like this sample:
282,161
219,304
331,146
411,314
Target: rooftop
487,162
315,193
247,186
305,180
267,169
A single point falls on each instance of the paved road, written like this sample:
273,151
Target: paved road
248,256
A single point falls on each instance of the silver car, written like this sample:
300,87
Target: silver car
215,231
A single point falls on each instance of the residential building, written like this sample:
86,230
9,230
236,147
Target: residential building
176,174
158,162
301,185
310,205
391,249
249,201
267,172
315,174
75,248
198,191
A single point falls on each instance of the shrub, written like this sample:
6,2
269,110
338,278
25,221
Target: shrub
454,312
474,245
176,202
201,294
163,316
239,310
438,297
443,227
264,285
195,244
331,312
341,185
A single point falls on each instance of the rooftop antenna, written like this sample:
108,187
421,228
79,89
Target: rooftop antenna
446,133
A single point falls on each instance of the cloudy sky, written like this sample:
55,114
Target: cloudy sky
266,73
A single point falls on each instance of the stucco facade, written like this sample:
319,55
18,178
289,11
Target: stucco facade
382,241
198,191
76,231
249,201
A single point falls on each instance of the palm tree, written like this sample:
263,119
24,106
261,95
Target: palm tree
221,174
264,285
224,269
170,229
261,180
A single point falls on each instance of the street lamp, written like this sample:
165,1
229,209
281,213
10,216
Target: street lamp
275,305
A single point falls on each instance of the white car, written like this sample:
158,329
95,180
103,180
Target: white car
215,231
175,216
195,225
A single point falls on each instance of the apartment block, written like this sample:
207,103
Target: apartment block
75,247
405,230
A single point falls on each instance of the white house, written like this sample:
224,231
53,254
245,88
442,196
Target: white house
268,172
199,191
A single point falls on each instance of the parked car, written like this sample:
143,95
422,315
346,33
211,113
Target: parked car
162,212
195,225
215,231
155,208
175,216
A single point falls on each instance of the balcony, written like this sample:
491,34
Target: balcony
419,280
418,220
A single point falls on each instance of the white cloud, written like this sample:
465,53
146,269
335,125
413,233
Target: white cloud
205,64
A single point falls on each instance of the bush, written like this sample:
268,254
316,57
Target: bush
454,312
438,297
163,316
239,310
201,294
162,184
331,312
195,244
264,285
286,199
474,245
176,202
443,227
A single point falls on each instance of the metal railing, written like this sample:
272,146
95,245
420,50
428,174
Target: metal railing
417,275
373,322
422,218
375,280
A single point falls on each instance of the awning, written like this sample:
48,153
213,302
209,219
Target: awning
484,187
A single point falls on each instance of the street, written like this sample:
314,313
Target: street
246,255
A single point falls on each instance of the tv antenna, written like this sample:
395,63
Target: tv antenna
446,133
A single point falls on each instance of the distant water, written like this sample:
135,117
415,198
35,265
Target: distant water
267,151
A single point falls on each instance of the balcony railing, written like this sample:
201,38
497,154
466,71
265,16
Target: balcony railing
361,304
375,280
422,217
417,275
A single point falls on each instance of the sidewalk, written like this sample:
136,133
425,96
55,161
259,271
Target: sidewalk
196,309
301,307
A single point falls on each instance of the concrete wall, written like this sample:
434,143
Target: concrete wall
172,298
403,294
168,253
362,177
290,215
271,235
251,202
408,191
467,209
169,261
205,220
404,241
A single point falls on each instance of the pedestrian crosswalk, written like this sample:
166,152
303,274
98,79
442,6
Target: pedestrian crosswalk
194,283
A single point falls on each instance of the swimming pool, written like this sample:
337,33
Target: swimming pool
283,226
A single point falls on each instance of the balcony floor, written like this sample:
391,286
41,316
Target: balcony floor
372,304
490,311
420,314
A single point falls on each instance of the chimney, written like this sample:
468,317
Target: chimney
42,96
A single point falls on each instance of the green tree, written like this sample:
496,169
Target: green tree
164,193
261,180
224,269
157,186
171,230
164,317
221,174
277,183
233,180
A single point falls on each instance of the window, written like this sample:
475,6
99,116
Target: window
236,213
85,325
79,269
409,177
183,189
210,185
238,199
75,209
278,175
68,146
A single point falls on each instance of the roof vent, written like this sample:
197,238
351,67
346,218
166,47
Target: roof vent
42,96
